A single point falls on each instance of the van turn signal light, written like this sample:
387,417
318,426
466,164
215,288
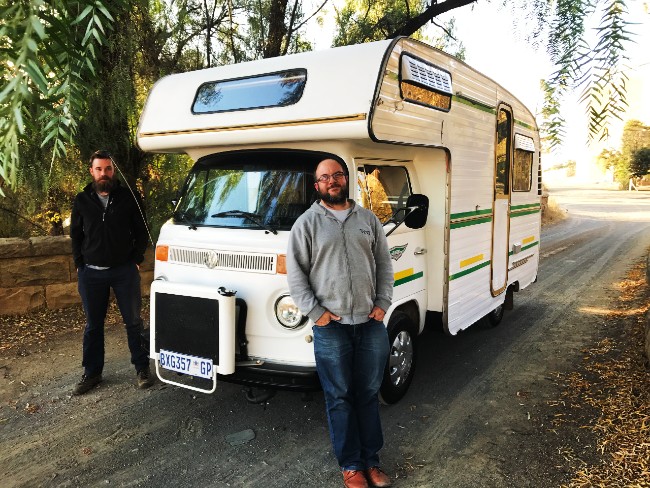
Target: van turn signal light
281,264
162,253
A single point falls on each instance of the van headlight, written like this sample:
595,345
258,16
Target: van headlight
288,313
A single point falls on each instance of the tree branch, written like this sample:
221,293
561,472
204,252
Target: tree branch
15,214
299,26
433,11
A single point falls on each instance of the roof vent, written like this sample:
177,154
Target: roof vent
524,143
426,75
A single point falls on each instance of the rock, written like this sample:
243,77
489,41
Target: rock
240,437
61,295
14,247
35,271
51,245
21,300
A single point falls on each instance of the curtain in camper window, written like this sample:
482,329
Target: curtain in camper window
383,189
522,168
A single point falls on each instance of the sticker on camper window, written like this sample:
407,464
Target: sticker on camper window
260,91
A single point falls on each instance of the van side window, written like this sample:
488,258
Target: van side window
522,170
382,189
502,176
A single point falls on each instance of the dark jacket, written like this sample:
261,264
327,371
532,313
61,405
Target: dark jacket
110,237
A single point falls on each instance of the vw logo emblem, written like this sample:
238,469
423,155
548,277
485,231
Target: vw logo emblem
211,259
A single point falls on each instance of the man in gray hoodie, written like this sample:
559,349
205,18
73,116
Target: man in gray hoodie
340,276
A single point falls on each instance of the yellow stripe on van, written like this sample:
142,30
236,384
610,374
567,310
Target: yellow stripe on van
528,239
403,274
406,276
285,123
468,261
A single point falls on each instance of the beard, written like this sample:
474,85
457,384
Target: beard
334,199
104,185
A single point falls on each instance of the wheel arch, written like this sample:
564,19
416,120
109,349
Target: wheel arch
410,308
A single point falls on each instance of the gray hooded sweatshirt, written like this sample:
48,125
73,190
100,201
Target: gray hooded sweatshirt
343,267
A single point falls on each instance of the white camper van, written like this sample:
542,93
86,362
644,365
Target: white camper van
444,156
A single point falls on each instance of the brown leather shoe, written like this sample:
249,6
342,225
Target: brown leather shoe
354,479
376,477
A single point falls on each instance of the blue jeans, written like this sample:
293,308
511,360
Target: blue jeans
350,360
94,288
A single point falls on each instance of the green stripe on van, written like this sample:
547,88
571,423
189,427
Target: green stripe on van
470,270
467,223
528,246
406,279
527,205
527,212
532,244
474,104
473,213
524,124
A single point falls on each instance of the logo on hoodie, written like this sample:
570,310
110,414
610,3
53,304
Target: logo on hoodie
397,251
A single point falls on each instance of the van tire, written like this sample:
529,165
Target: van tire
495,316
400,366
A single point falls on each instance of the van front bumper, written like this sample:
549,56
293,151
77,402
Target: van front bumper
275,375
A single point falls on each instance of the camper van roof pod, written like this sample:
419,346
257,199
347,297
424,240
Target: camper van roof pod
334,103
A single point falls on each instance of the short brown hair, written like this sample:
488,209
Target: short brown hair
100,154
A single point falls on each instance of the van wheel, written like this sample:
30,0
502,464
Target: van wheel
495,316
400,367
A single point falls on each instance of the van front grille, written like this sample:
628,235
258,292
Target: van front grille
223,260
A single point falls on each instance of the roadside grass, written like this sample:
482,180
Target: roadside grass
552,213
614,381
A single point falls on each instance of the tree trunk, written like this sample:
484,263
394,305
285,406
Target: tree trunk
277,29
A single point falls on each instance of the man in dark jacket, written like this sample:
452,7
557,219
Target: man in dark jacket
109,237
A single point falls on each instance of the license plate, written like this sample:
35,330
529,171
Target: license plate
182,363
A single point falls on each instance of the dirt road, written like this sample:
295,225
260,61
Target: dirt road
477,413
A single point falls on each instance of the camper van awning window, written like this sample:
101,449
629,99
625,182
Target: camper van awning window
425,84
524,143
260,91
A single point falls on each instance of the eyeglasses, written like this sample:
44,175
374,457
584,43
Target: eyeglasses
339,175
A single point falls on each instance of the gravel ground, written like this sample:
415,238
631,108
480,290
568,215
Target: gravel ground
594,431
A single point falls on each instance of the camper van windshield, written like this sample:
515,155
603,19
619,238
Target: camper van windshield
251,191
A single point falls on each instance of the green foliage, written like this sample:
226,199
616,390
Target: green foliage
274,28
635,136
162,184
553,125
608,159
640,163
362,21
75,76
598,70
569,166
49,55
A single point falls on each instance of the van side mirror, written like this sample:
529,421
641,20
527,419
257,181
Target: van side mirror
419,206
415,213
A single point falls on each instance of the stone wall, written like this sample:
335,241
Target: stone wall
39,273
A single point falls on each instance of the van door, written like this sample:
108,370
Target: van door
384,188
501,205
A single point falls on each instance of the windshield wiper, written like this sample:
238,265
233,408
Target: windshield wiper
247,215
180,216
